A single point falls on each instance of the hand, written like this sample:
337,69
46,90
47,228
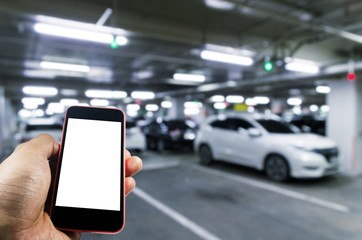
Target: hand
24,184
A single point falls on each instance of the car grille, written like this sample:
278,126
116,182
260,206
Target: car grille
328,153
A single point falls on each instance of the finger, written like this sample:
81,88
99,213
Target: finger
73,235
130,184
43,145
127,154
133,166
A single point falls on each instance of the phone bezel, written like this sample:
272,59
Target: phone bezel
82,219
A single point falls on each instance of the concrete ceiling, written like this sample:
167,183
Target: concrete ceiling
167,37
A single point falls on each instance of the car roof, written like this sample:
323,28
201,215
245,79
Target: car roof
244,115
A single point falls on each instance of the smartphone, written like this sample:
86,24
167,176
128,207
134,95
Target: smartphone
88,190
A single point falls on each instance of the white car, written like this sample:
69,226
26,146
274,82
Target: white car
34,127
266,144
135,139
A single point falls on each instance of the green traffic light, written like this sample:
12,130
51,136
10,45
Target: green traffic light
114,44
268,66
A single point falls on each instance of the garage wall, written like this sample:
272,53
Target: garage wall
2,114
344,123
7,126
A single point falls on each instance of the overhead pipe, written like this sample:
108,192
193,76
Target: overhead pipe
293,20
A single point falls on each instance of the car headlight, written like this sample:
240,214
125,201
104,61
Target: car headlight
189,135
302,147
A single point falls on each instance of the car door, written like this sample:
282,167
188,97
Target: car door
227,140
218,138
246,148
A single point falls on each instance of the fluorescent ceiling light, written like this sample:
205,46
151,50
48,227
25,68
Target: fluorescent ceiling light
81,31
191,111
189,77
30,106
182,82
69,92
83,104
143,74
39,113
119,94
35,73
143,95
51,73
219,105
294,101
133,107
93,93
302,67
151,107
99,102
220,4
208,87
234,99
24,113
261,100
190,104
250,102
55,107
69,101
40,91
73,33
229,50
323,89
64,66
30,100
166,104
226,58
217,98
257,100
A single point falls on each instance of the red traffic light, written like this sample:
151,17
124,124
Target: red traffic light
351,76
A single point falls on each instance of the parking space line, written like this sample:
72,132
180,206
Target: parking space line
184,221
276,189
148,166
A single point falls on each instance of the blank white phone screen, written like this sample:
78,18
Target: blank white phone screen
91,167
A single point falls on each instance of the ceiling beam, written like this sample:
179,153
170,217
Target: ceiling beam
296,21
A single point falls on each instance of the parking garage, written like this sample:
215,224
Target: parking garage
245,113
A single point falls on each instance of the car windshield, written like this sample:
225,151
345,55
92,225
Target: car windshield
130,124
178,124
41,127
273,126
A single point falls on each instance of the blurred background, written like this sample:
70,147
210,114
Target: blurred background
246,113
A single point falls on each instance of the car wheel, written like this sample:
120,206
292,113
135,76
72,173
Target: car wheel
276,168
150,145
160,145
205,155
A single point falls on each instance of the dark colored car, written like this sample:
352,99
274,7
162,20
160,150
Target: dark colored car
310,124
174,134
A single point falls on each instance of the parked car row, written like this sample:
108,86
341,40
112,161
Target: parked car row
170,134
135,139
310,124
260,141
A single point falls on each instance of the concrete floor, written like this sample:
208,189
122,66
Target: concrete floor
176,198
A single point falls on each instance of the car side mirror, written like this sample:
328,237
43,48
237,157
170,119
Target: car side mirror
254,132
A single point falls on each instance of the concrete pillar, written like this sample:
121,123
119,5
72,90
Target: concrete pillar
7,126
2,120
278,105
344,123
177,109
